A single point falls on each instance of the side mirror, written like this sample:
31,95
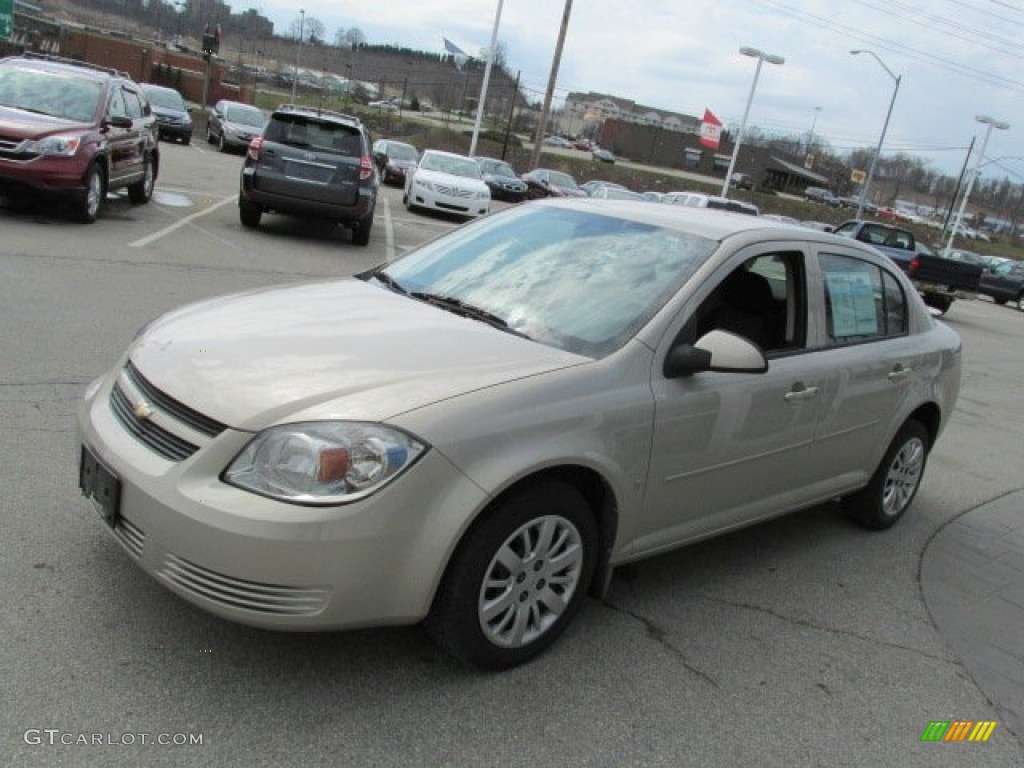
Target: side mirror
716,351
380,159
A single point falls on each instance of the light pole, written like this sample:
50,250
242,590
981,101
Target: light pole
761,57
487,76
885,126
298,51
991,123
810,136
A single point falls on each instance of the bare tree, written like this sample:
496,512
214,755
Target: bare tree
354,37
339,37
311,29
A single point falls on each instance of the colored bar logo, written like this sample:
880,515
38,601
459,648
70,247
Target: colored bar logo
958,730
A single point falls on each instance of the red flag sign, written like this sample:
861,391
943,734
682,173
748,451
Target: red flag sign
710,130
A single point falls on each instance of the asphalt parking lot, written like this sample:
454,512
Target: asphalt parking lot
806,641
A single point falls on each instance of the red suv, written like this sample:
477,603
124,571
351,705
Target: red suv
74,131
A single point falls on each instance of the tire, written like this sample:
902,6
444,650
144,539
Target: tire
141,191
249,214
209,135
186,140
1000,302
939,302
1020,301
221,144
90,201
517,578
892,488
361,230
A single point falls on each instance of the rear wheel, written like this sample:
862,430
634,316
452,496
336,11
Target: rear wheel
1020,301
141,191
361,230
938,301
887,496
90,200
249,214
518,577
221,144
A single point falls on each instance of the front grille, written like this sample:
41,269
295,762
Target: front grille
155,437
453,191
179,411
238,593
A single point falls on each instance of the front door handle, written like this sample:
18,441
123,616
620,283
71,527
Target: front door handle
898,373
800,392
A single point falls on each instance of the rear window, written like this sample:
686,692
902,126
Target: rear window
300,131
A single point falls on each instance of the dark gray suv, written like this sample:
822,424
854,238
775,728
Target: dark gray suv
311,162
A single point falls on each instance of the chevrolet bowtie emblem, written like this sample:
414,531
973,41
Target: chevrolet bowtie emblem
142,410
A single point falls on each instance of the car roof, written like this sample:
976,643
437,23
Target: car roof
715,224
46,63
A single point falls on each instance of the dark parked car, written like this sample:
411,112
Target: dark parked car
502,180
1004,282
741,181
173,116
311,162
232,125
543,182
394,159
74,131
821,195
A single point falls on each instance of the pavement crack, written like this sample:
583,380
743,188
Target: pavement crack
798,622
659,635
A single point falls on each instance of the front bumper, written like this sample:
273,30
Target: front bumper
261,562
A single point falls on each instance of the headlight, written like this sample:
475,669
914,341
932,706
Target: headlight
323,462
64,146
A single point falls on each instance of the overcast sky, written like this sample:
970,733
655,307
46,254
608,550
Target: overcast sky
957,59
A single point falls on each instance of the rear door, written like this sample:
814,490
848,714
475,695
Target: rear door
308,159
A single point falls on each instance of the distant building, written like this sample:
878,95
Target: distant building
584,113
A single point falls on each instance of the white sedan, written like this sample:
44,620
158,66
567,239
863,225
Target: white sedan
446,182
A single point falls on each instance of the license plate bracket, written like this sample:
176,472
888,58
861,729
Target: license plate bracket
101,485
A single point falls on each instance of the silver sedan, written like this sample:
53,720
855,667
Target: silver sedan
476,434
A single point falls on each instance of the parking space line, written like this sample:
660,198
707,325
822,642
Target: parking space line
182,222
389,231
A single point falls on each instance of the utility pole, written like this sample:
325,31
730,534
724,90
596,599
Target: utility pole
542,124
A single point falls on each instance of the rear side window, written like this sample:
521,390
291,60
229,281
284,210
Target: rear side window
862,301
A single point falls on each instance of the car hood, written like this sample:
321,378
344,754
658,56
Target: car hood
502,179
169,112
19,124
342,349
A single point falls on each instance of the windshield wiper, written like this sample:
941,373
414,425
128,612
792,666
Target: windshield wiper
389,281
463,309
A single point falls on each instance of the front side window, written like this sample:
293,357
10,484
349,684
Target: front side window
862,300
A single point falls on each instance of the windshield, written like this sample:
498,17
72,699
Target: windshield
453,164
496,167
401,152
165,98
244,115
581,281
560,179
46,93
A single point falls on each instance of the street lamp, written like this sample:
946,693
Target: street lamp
298,51
991,123
885,126
761,57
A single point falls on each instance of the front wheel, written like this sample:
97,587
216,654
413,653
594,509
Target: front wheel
90,200
1020,301
887,496
518,577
